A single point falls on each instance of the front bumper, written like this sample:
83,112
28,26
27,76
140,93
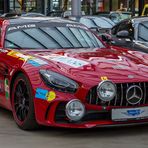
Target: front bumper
53,114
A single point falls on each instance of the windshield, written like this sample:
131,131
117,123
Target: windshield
55,37
125,16
97,22
118,16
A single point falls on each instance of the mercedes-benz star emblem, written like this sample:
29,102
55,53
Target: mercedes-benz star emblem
134,95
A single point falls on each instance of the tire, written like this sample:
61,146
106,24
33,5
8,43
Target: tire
22,103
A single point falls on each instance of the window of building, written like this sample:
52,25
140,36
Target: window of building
1,6
23,5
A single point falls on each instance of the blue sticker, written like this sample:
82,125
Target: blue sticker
133,113
37,62
41,93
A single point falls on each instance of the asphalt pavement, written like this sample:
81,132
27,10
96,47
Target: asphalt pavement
46,137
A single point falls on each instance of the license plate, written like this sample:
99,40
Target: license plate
129,114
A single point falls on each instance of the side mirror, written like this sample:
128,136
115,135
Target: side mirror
106,38
123,34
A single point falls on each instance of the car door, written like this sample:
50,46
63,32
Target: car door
141,37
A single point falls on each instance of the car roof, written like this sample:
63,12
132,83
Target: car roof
24,20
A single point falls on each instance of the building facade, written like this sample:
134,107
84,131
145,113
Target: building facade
88,6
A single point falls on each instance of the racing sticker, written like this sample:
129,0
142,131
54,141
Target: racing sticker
104,78
70,61
41,93
51,96
19,55
134,112
36,62
6,88
45,94
13,54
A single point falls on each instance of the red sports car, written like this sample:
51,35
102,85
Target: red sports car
56,72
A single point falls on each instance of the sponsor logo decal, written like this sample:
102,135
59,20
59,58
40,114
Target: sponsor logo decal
21,27
134,112
51,96
76,26
6,88
36,62
76,63
104,78
19,55
45,94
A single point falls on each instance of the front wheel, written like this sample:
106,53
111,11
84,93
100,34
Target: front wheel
22,103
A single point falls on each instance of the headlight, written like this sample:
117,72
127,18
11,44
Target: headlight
106,91
58,82
75,110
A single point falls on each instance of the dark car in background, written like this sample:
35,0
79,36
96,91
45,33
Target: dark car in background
116,16
29,14
97,24
131,33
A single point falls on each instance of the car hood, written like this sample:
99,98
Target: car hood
92,65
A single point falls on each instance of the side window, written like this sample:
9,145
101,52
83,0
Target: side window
142,29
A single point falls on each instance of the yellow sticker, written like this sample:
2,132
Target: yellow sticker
51,96
13,54
104,78
19,55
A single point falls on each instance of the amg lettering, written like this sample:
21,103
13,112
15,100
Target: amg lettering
22,27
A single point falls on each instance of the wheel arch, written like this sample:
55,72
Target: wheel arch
13,80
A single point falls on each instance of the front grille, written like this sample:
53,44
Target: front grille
120,98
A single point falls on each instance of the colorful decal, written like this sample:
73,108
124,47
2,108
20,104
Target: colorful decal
104,78
13,54
7,88
19,55
41,93
51,96
45,94
36,62
70,61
